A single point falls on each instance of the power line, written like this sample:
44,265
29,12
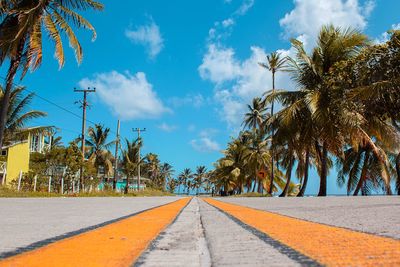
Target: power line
56,105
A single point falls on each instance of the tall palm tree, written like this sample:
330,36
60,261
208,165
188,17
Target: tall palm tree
185,176
274,64
18,115
22,28
98,148
256,115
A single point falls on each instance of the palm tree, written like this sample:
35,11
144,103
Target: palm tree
98,146
310,72
185,176
23,25
166,172
199,177
274,64
18,117
256,115
258,156
130,159
152,167
232,170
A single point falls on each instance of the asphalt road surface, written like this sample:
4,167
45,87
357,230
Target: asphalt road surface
206,234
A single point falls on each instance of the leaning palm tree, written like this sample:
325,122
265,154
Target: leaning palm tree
18,115
274,64
23,25
98,146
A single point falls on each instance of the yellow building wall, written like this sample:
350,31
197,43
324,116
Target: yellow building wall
17,160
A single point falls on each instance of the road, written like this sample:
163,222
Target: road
174,231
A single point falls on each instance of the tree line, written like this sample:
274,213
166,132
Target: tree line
342,113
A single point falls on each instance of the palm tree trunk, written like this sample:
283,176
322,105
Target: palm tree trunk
12,71
305,180
324,171
288,178
260,187
363,174
398,174
272,150
254,186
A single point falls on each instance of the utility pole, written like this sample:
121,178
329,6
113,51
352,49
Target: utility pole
116,158
84,105
138,130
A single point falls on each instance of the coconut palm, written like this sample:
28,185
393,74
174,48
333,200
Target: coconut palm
130,159
256,115
22,28
274,64
18,115
199,177
98,147
231,171
152,167
185,176
310,72
166,172
258,156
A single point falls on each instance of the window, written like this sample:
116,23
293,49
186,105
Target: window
4,152
36,143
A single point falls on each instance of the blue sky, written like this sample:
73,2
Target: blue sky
186,69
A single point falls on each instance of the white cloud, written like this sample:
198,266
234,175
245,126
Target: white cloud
244,8
237,81
149,36
128,96
228,22
167,128
205,142
219,65
309,16
244,78
194,100
223,29
386,36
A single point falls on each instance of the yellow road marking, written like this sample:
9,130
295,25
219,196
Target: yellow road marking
116,244
328,245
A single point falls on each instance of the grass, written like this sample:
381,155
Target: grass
7,192
251,194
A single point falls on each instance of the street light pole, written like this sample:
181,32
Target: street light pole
138,130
